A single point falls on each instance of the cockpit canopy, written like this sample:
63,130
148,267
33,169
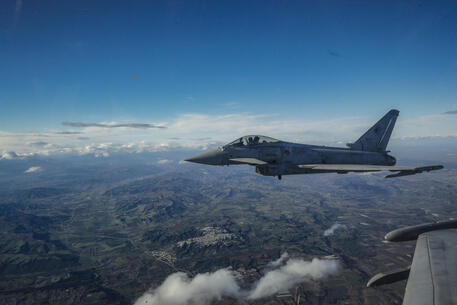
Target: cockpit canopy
252,140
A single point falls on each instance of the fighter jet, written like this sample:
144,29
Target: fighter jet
273,157
432,277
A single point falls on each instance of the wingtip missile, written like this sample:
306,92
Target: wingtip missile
417,170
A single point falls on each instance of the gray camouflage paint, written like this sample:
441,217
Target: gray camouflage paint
272,157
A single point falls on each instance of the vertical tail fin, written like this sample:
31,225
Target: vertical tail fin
377,137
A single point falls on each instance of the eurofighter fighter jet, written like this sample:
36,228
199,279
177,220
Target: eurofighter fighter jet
273,157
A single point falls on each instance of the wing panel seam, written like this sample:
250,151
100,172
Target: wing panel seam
431,269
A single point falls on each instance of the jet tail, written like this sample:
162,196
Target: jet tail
377,137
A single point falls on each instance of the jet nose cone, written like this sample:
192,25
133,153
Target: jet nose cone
212,157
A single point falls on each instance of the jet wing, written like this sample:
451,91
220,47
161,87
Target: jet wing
344,168
250,161
432,278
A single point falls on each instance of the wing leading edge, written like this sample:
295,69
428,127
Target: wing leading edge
345,168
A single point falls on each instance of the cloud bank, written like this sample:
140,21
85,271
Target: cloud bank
103,125
9,155
202,131
330,231
179,289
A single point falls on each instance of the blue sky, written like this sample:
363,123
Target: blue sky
157,61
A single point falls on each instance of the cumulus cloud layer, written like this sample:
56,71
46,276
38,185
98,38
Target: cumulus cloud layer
190,131
451,112
330,231
179,289
103,125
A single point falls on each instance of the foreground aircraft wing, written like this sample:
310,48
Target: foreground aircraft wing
345,168
432,278
250,161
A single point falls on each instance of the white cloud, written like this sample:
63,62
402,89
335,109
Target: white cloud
163,161
330,231
294,272
179,289
33,169
9,155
